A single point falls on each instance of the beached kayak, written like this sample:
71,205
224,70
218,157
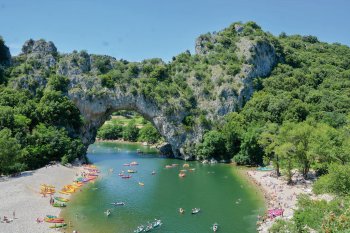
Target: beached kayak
53,220
59,205
59,225
61,199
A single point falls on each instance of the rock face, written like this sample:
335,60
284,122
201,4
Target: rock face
96,102
41,51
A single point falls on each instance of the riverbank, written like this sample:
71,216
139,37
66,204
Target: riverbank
128,142
279,195
21,195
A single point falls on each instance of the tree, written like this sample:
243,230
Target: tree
110,131
213,146
58,83
10,151
268,140
337,181
58,110
329,145
294,140
131,132
250,151
148,133
48,143
286,152
233,130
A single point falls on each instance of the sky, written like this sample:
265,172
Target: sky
140,29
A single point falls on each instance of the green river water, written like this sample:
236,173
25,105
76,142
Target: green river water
221,193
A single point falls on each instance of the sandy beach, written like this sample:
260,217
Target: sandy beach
21,194
278,194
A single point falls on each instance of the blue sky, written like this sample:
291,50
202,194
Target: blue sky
136,30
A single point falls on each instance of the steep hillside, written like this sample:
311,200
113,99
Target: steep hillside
45,91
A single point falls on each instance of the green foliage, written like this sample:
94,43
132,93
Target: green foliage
130,132
337,181
48,143
56,109
282,226
250,150
58,83
102,63
148,133
317,216
129,126
110,132
2,50
10,152
213,146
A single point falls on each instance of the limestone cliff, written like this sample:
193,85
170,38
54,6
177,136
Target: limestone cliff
219,88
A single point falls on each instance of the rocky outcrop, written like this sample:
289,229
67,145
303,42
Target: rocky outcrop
41,51
97,102
260,58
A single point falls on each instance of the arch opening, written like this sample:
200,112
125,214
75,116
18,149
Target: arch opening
131,126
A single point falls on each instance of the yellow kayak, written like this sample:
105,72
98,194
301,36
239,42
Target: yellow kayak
63,192
47,186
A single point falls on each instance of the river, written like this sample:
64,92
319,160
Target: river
218,190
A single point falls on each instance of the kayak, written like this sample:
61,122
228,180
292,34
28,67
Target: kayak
53,220
215,227
64,192
47,186
61,199
59,225
59,204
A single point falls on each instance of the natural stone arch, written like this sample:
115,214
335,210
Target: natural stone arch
96,101
97,110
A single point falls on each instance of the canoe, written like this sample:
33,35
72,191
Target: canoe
141,184
59,225
132,171
182,174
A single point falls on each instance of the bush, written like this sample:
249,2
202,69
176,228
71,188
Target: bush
337,181
110,132
149,134
213,146
64,160
131,132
